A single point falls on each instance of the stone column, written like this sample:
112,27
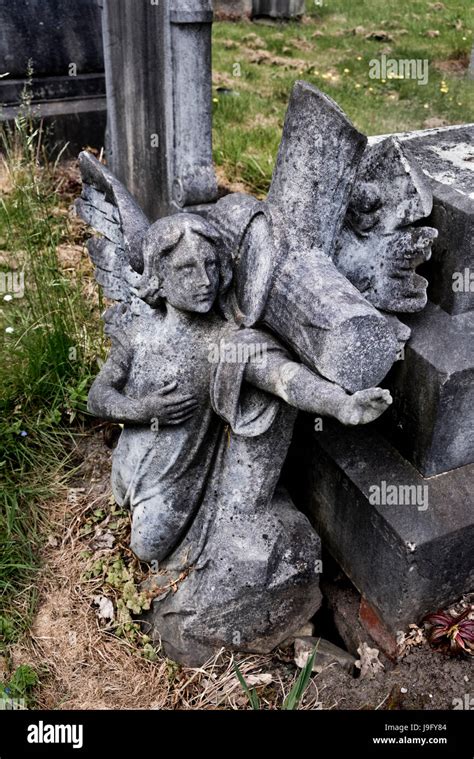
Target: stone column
158,73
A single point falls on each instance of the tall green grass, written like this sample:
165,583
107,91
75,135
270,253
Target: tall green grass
49,340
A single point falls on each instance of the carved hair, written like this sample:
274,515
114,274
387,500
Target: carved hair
162,238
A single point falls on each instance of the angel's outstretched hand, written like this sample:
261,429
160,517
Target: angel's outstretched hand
364,406
169,406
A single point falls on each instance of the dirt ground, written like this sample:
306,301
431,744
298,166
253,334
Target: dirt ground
84,665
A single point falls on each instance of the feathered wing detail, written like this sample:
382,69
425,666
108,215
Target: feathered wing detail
109,208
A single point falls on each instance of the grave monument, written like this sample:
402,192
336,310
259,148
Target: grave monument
225,326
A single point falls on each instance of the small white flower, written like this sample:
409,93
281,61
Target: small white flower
9,330
8,297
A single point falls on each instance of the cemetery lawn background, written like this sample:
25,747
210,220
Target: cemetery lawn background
332,48
68,582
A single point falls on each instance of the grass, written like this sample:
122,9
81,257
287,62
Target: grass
47,331
330,49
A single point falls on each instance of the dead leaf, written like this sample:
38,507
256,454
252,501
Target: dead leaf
262,679
368,663
102,540
106,608
432,33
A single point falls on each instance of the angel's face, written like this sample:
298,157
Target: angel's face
191,274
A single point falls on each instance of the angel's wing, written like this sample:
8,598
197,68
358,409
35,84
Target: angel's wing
109,208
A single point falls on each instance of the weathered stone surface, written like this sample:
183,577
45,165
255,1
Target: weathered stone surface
67,86
344,603
445,157
51,33
431,420
202,375
406,559
282,249
278,8
373,624
379,249
159,137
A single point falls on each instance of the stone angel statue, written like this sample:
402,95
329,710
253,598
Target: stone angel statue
223,329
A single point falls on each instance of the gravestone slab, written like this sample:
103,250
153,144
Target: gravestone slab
279,8
67,90
431,420
408,558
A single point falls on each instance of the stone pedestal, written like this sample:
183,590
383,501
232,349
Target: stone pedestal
406,558
394,502
64,43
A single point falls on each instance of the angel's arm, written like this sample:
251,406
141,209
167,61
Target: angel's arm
302,388
106,399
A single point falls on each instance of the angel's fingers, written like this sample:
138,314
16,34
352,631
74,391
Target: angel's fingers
376,406
180,401
366,396
179,405
178,419
169,387
180,412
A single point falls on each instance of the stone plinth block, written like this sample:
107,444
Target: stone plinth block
431,420
406,542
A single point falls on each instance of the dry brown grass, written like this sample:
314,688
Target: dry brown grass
83,665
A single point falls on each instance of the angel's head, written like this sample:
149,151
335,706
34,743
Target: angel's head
184,263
